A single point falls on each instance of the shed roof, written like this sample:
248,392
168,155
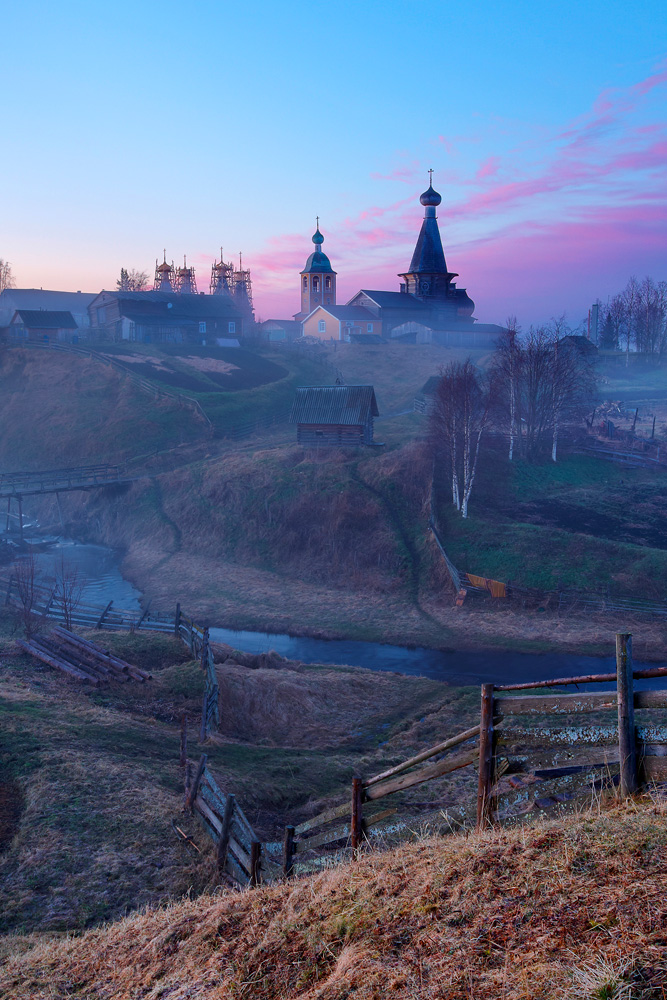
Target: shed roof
172,306
334,404
45,319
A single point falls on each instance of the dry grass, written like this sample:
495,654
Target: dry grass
566,909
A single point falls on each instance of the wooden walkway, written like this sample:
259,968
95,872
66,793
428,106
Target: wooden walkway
15,485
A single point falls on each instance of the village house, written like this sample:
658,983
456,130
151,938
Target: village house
334,416
349,323
44,325
166,317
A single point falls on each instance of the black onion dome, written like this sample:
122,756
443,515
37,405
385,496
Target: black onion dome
430,198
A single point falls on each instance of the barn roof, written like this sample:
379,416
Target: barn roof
334,404
46,319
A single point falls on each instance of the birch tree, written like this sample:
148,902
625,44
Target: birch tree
458,421
6,276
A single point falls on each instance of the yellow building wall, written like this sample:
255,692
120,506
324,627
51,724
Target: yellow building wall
311,326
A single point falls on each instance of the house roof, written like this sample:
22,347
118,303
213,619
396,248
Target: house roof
349,313
334,404
12,299
45,319
394,300
430,386
161,306
280,324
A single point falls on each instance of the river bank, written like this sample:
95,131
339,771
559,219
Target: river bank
246,599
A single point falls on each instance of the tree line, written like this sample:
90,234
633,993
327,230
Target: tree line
534,386
636,318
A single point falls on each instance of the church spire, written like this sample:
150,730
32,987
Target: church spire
428,277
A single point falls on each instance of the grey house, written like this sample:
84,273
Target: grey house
334,416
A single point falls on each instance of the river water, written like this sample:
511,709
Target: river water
99,567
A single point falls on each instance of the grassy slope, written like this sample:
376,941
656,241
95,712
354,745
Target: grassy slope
96,770
62,410
570,909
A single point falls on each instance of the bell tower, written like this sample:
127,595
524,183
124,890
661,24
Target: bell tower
318,279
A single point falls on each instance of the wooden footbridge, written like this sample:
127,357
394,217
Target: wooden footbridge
17,485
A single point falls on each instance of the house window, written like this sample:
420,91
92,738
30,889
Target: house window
316,284
327,283
231,327
202,327
322,326
369,327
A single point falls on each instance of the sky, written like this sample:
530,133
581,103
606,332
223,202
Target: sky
133,127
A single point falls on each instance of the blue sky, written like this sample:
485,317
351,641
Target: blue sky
133,127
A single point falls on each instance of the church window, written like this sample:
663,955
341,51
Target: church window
316,284
322,326
327,283
305,284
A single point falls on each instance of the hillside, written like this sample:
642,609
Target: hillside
572,909
90,782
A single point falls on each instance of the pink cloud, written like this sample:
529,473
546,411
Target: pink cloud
488,168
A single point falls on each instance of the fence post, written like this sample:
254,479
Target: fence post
204,650
187,781
194,787
177,621
356,820
204,713
184,739
485,779
255,859
288,852
626,714
223,843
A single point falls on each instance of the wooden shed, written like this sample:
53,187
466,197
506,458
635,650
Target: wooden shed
334,415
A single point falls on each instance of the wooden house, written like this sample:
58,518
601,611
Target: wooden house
43,324
334,416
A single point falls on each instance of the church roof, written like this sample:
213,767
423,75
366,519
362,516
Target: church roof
318,262
429,257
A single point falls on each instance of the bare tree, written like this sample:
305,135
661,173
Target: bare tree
132,281
572,385
630,297
506,373
458,421
6,276
68,589
25,573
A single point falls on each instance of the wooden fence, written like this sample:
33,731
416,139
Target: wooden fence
47,604
531,758
196,638
239,853
532,752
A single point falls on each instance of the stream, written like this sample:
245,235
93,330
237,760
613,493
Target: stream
99,568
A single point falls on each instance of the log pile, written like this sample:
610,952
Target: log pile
80,658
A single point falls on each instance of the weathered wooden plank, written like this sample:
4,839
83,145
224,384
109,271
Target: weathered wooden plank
643,673
420,757
223,843
195,782
379,818
324,817
209,779
583,735
424,774
212,800
53,661
239,852
341,832
653,768
585,701
201,806
243,824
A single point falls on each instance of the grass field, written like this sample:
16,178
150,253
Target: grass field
581,523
